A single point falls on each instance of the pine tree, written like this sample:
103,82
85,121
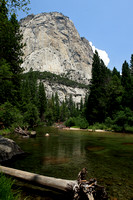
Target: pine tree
71,106
97,102
81,104
4,31
42,102
57,107
11,48
33,84
6,85
114,95
131,65
127,85
115,72
125,75
63,112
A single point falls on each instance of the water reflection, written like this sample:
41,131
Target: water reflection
108,157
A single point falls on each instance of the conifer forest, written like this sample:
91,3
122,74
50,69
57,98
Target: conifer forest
23,102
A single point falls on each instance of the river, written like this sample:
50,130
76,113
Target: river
108,157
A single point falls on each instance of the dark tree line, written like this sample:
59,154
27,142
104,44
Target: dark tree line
10,55
23,100
111,96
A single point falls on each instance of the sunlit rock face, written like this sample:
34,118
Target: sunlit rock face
64,92
53,44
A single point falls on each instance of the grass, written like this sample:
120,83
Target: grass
5,131
6,192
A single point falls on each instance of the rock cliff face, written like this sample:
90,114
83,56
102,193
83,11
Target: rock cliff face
54,45
64,92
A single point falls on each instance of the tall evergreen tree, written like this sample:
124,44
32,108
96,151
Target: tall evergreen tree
6,85
11,47
42,102
114,95
57,107
97,102
125,75
127,85
115,72
63,112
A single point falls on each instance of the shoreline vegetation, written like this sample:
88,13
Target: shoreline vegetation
61,125
6,189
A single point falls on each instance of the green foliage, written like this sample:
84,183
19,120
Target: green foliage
10,115
6,189
13,5
6,85
108,123
116,73
81,122
5,131
49,114
114,95
78,122
10,55
70,122
63,111
54,78
42,100
123,120
98,126
31,116
97,101
56,107
131,65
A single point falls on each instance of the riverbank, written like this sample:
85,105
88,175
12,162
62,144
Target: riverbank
61,125
90,130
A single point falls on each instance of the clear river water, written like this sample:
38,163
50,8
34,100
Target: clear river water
108,157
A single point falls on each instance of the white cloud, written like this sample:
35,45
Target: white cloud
103,55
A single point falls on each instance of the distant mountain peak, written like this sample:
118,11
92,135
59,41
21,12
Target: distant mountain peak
53,44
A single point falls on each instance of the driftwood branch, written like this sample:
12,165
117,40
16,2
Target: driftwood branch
21,131
25,132
88,189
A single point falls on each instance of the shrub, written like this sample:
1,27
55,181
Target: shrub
70,122
81,122
123,120
78,122
6,189
5,131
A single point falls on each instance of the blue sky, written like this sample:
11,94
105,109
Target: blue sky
108,24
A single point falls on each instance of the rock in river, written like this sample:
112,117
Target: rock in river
8,149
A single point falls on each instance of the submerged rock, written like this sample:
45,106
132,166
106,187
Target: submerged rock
8,149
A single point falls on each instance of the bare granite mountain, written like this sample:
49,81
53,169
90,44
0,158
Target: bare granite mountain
53,44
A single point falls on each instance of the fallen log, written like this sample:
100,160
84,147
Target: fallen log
79,190
51,182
